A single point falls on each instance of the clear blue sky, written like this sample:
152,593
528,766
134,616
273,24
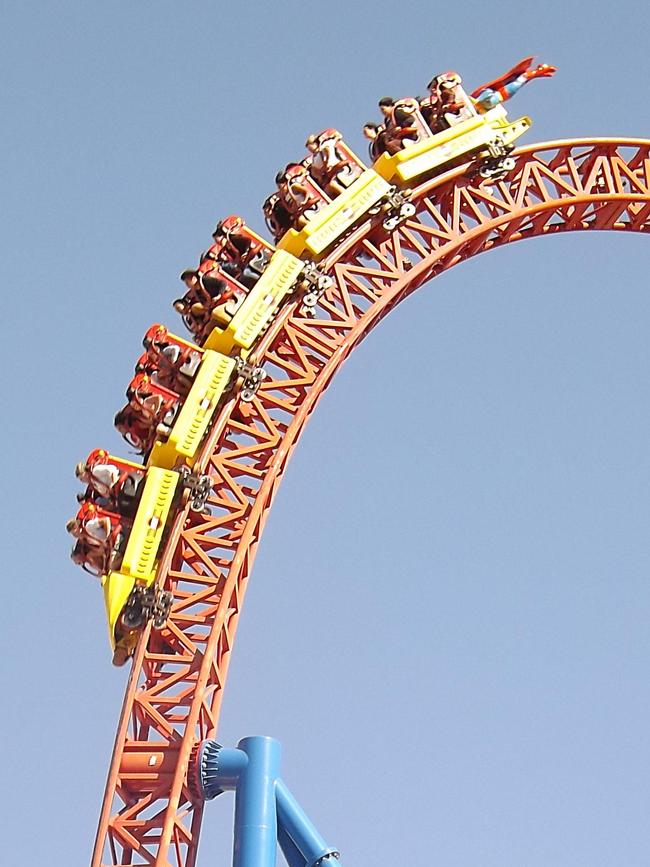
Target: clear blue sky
447,626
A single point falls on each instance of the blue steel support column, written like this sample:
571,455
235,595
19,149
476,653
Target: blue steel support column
255,811
293,820
266,813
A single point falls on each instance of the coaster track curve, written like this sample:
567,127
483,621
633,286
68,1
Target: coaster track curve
151,812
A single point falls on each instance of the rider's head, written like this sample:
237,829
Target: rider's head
81,471
189,277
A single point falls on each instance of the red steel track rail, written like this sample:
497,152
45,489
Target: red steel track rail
150,813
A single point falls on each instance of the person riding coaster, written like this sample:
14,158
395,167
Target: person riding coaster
110,483
137,432
403,124
101,538
330,164
379,143
276,216
191,306
447,103
299,194
239,251
90,557
169,360
209,290
149,413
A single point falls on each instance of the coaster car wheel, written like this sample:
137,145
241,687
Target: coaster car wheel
161,608
391,223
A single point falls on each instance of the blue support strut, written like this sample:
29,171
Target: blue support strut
266,813
289,849
293,820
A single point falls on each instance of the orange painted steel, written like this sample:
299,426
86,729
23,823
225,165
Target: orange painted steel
150,813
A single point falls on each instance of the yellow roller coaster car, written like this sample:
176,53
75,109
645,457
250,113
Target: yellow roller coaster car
334,219
211,381
130,595
256,310
490,134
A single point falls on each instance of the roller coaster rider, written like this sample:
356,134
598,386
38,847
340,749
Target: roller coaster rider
380,142
135,430
100,536
110,485
206,290
298,194
276,215
172,362
328,165
149,413
238,254
399,121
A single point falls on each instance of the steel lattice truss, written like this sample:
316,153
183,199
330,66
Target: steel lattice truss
150,814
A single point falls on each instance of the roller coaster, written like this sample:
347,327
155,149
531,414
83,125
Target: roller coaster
173,537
